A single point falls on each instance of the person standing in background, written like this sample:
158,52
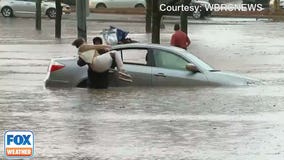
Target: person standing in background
179,38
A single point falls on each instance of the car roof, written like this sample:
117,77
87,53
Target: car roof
152,46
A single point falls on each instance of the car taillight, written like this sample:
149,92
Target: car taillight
56,66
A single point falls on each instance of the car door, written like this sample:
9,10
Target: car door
122,3
18,6
30,6
137,65
170,70
24,6
111,3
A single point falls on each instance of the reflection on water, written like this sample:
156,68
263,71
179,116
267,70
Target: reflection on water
134,123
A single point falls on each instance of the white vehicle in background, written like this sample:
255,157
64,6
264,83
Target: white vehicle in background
201,1
10,8
117,4
282,4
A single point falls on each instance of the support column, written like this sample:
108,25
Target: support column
38,15
81,18
58,18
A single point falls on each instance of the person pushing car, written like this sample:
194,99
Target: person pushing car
100,63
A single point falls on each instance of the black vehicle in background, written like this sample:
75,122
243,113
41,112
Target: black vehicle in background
202,12
199,13
264,3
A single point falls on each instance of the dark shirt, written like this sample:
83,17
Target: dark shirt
95,79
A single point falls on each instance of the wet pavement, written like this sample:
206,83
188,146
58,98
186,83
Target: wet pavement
147,123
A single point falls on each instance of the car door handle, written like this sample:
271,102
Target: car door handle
160,75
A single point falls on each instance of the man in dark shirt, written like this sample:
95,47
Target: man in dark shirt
95,80
179,38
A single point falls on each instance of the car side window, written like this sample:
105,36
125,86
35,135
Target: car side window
135,56
169,60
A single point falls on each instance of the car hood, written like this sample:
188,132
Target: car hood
230,79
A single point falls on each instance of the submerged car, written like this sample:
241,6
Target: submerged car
149,65
10,8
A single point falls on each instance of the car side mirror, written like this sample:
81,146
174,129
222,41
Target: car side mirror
192,68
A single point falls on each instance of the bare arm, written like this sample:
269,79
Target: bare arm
188,41
87,47
173,40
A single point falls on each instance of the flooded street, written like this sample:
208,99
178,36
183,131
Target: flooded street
147,123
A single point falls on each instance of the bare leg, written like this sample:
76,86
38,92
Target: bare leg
118,60
122,75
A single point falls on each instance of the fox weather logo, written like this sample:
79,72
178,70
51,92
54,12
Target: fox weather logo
18,144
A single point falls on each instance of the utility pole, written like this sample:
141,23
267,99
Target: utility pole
58,18
38,15
81,10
